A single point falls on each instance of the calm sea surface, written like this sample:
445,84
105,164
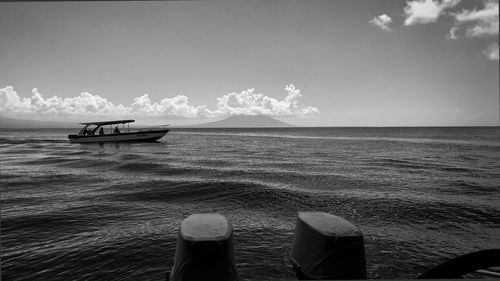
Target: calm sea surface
112,211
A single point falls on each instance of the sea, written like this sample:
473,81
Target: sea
112,211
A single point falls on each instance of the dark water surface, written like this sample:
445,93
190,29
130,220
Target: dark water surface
112,211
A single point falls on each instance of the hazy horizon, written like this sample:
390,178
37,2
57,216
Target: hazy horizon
5,123
307,63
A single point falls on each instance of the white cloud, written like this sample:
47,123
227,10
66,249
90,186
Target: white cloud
483,29
176,107
382,21
481,22
452,35
426,11
11,102
489,11
249,103
90,105
491,51
484,21
85,104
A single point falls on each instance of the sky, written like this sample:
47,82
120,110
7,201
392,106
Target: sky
308,62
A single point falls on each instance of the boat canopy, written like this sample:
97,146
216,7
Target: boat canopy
101,123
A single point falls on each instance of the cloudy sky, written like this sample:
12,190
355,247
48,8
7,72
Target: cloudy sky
308,62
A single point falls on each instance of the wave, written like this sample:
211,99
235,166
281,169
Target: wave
418,164
140,218
398,163
28,141
67,221
245,195
140,167
132,157
349,138
48,160
69,209
470,188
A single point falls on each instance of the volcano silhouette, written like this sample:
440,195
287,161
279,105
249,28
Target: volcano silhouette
245,121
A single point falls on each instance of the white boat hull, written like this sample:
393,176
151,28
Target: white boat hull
139,136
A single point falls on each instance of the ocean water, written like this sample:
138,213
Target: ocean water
112,211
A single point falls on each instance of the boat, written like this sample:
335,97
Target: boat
97,132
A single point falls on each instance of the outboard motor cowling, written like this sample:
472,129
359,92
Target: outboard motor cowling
327,247
204,250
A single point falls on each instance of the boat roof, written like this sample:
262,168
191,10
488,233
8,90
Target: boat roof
108,122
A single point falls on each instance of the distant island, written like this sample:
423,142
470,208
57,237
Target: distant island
10,123
238,121
244,121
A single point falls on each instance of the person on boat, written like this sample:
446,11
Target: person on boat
116,131
101,131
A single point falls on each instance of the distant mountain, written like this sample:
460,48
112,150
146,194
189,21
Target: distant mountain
244,121
239,121
10,123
